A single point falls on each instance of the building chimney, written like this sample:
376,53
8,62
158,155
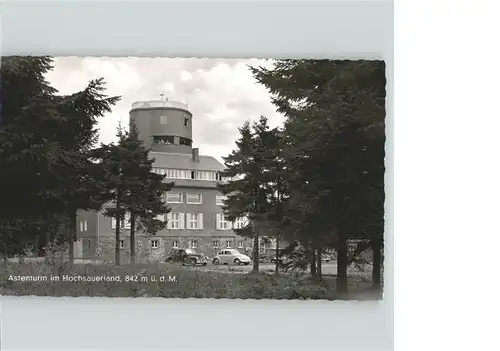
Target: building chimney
196,155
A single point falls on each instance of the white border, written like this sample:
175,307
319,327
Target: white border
306,29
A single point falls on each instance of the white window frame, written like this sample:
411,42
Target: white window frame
125,224
85,225
179,198
153,245
175,220
81,226
175,244
215,243
199,201
122,244
240,223
222,223
262,245
163,119
205,175
228,244
219,199
240,244
161,217
196,218
193,244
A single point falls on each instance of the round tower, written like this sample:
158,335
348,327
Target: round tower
163,125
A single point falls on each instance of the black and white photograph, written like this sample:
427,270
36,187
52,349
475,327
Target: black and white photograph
192,178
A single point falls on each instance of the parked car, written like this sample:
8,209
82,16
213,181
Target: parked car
228,256
187,256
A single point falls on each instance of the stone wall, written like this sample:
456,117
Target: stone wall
145,251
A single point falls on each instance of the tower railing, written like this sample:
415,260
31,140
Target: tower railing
159,104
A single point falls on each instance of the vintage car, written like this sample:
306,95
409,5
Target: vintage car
186,256
233,256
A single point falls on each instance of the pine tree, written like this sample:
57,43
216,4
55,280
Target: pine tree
334,154
144,198
44,141
26,151
81,182
248,192
133,188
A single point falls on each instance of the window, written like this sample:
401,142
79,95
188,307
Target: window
222,223
219,199
126,221
177,174
240,244
161,217
228,244
85,225
164,139
175,244
122,244
175,221
215,243
205,175
124,224
186,122
163,119
194,220
262,245
185,141
193,244
174,198
240,223
193,198
81,226
154,244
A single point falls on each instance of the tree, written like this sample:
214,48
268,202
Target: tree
248,191
80,181
144,198
276,185
44,140
334,154
133,188
26,151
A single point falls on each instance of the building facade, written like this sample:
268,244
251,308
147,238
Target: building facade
195,220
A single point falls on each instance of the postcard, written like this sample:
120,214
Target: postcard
192,178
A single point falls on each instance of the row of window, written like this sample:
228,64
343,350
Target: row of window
172,140
193,244
189,174
178,220
192,199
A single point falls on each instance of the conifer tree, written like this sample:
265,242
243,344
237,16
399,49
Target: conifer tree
334,132
133,188
145,195
248,192
44,143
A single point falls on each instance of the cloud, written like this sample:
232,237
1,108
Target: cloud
221,93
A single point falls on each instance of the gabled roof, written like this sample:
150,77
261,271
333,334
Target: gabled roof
185,161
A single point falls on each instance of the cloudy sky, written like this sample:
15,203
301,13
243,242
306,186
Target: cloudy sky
220,93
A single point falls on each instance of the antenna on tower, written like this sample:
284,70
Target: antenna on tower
161,96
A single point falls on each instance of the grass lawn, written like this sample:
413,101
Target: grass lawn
170,281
